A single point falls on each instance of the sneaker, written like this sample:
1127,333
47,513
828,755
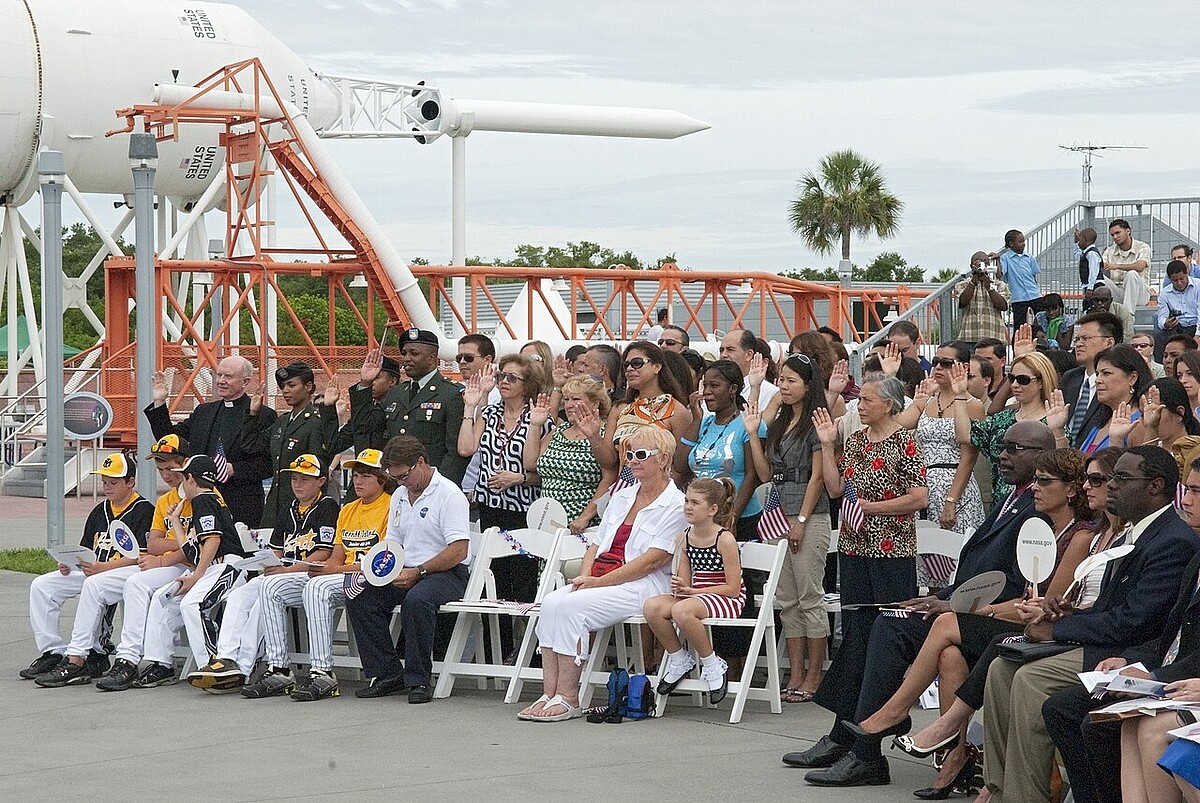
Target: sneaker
318,686
677,669
65,674
97,664
716,676
214,672
41,665
225,685
120,677
273,683
382,687
156,675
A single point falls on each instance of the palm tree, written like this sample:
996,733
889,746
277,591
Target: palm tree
849,196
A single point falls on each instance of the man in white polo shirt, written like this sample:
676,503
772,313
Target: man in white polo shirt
428,517
739,346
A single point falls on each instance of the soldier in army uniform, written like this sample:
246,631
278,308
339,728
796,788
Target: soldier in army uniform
428,407
307,428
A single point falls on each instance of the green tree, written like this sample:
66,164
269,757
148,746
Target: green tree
848,197
944,275
813,274
889,267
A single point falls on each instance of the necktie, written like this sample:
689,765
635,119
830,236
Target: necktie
413,387
1081,406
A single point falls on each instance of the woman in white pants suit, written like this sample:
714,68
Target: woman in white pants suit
637,534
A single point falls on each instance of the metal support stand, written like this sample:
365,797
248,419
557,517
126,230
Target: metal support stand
51,174
143,158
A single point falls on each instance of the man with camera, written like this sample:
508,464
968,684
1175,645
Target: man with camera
1178,304
981,300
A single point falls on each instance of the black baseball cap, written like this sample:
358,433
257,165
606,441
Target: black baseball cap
302,370
200,466
419,336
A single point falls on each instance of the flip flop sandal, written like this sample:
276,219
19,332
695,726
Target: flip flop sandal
570,711
545,698
798,696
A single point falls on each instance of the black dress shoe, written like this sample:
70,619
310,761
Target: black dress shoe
824,753
850,770
419,694
899,729
382,687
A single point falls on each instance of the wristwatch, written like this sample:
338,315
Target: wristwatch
421,572
801,519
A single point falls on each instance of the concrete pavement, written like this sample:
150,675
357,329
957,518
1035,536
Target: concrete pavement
181,744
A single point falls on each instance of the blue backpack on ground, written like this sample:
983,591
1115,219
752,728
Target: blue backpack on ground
640,700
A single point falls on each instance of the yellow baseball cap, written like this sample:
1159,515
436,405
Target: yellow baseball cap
117,465
367,458
307,464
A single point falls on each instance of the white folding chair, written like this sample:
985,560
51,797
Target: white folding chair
767,558
938,551
570,549
479,600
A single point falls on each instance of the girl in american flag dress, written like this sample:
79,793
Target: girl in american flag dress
706,584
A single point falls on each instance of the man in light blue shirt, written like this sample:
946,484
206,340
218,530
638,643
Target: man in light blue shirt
1021,272
1183,253
1178,305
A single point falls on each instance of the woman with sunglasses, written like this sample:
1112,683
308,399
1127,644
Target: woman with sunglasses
653,397
504,493
790,457
1187,371
959,642
1033,380
627,562
1121,376
954,501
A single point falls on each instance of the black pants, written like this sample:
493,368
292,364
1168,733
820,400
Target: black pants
863,580
371,617
516,577
1090,750
1021,313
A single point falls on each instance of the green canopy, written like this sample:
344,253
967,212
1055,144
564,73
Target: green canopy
23,338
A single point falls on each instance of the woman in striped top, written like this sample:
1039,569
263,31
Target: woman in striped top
706,584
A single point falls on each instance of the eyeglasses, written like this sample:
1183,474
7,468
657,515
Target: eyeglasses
1043,481
801,357
1103,301
1096,479
640,454
636,363
1119,478
304,462
510,377
163,447
666,341
1019,447
534,357
1142,345
399,477
1085,338
467,358
1022,379
943,362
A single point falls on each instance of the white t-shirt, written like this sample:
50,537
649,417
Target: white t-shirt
434,520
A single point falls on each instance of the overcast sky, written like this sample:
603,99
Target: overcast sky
963,104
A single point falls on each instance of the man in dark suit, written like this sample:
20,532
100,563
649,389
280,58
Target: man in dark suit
1136,596
305,428
428,406
850,760
1091,749
1094,332
213,429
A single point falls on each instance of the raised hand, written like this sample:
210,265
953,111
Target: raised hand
824,425
889,361
839,378
758,371
958,378
487,381
588,421
561,371
474,392
371,366
1152,408
1057,411
332,393
539,413
925,391
1120,425
752,419
158,388
1023,343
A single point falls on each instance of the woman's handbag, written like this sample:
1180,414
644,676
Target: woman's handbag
605,563
1022,651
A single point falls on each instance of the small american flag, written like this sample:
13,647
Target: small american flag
852,512
353,585
938,568
773,523
223,469
625,479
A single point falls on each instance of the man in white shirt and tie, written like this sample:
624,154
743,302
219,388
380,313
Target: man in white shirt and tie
1094,333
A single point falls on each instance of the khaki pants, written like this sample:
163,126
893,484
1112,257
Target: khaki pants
1018,753
801,586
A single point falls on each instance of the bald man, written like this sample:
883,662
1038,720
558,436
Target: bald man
213,429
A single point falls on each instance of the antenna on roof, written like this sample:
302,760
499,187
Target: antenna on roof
1088,151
